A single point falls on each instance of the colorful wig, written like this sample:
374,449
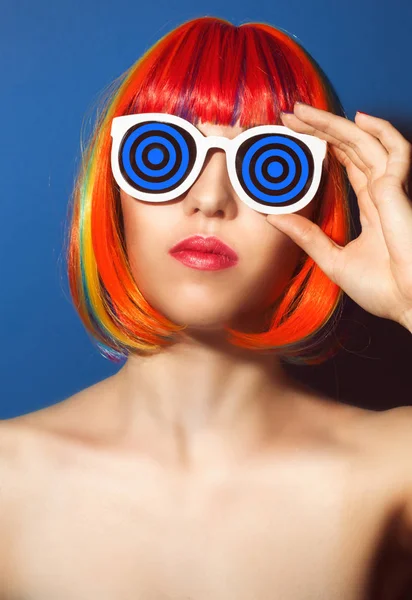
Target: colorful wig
211,71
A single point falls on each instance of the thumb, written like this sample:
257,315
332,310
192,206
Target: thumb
310,237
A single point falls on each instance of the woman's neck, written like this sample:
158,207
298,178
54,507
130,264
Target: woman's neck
202,402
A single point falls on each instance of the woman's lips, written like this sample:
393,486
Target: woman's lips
206,261
205,253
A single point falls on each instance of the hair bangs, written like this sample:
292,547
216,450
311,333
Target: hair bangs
215,72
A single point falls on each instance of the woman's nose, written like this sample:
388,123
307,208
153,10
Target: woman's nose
213,190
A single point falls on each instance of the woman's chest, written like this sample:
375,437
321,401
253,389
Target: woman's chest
294,533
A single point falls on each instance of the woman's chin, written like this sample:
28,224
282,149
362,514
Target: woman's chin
205,320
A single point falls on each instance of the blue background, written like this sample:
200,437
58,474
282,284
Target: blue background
56,58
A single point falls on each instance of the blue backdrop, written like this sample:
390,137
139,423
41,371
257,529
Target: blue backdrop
56,57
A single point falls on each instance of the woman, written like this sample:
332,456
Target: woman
201,470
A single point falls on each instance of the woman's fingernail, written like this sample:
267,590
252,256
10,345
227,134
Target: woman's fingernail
362,113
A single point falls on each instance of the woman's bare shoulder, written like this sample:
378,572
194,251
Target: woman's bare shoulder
368,431
28,443
382,430
72,410
74,420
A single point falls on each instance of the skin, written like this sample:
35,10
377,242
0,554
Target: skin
204,472
239,389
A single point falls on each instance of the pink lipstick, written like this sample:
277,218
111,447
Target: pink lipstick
205,253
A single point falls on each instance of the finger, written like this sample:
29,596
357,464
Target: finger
367,147
368,213
310,237
398,147
395,212
357,178
390,192
293,122
358,172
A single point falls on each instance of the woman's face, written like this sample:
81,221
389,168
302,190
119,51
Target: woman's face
197,298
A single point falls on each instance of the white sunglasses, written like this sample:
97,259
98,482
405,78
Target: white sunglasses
156,157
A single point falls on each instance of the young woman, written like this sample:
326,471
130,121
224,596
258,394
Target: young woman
209,241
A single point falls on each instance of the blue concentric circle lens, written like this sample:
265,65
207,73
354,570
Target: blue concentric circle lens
156,157
275,169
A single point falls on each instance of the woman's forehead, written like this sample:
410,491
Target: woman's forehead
213,129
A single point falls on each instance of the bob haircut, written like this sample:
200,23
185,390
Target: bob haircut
211,71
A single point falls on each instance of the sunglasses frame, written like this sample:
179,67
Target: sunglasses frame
121,125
